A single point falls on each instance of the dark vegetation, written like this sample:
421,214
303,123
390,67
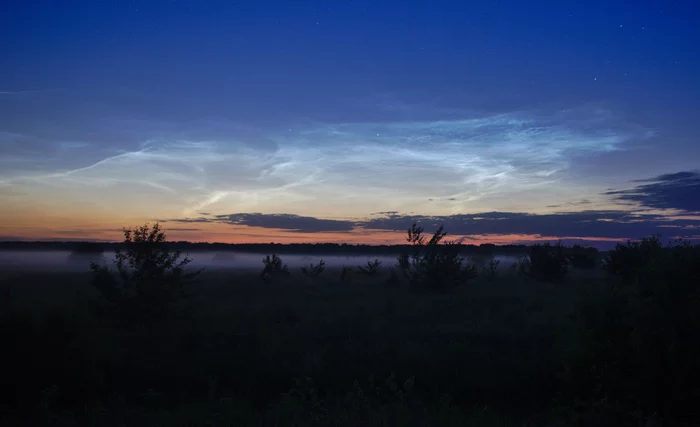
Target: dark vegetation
370,269
87,248
279,248
273,267
314,270
560,338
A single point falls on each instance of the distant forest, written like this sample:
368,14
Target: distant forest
279,248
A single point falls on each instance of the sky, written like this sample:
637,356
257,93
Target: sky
347,121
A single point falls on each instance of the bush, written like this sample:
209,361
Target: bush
345,273
521,268
149,279
371,269
273,267
636,339
547,262
490,270
584,258
313,271
634,261
433,265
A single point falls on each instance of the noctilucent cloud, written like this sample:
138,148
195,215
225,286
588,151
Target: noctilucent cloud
320,121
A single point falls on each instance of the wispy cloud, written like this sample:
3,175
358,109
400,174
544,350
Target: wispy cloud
328,169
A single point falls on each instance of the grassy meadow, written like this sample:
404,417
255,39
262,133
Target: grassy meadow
592,347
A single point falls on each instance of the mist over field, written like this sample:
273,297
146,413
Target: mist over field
69,261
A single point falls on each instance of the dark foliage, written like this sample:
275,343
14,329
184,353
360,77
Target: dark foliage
313,271
345,273
273,267
280,248
528,353
432,265
490,270
371,268
547,262
88,248
148,279
635,261
584,258
636,347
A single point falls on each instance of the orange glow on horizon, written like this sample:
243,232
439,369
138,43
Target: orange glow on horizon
225,233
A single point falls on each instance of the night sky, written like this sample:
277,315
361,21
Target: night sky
345,121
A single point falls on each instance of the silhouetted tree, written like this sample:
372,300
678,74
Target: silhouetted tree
548,262
433,265
148,278
273,267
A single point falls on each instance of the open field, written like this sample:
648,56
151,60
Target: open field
301,351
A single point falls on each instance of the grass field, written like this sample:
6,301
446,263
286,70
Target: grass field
320,352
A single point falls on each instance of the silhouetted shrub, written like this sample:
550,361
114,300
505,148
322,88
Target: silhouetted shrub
584,258
521,267
313,271
634,261
490,270
433,265
371,268
149,279
345,273
273,267
547,262
636,341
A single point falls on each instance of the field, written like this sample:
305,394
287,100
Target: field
366,351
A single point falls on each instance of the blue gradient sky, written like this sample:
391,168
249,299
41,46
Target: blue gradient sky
301,121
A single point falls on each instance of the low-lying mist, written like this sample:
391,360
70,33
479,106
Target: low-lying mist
70,261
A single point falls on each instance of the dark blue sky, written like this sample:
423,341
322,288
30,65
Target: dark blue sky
590,94
261,58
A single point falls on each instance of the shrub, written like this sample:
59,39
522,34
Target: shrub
433,265
345,273
633,261
371,269
547,262
313,271
584,258
273,267
490,270
149,278
636,338
521,267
